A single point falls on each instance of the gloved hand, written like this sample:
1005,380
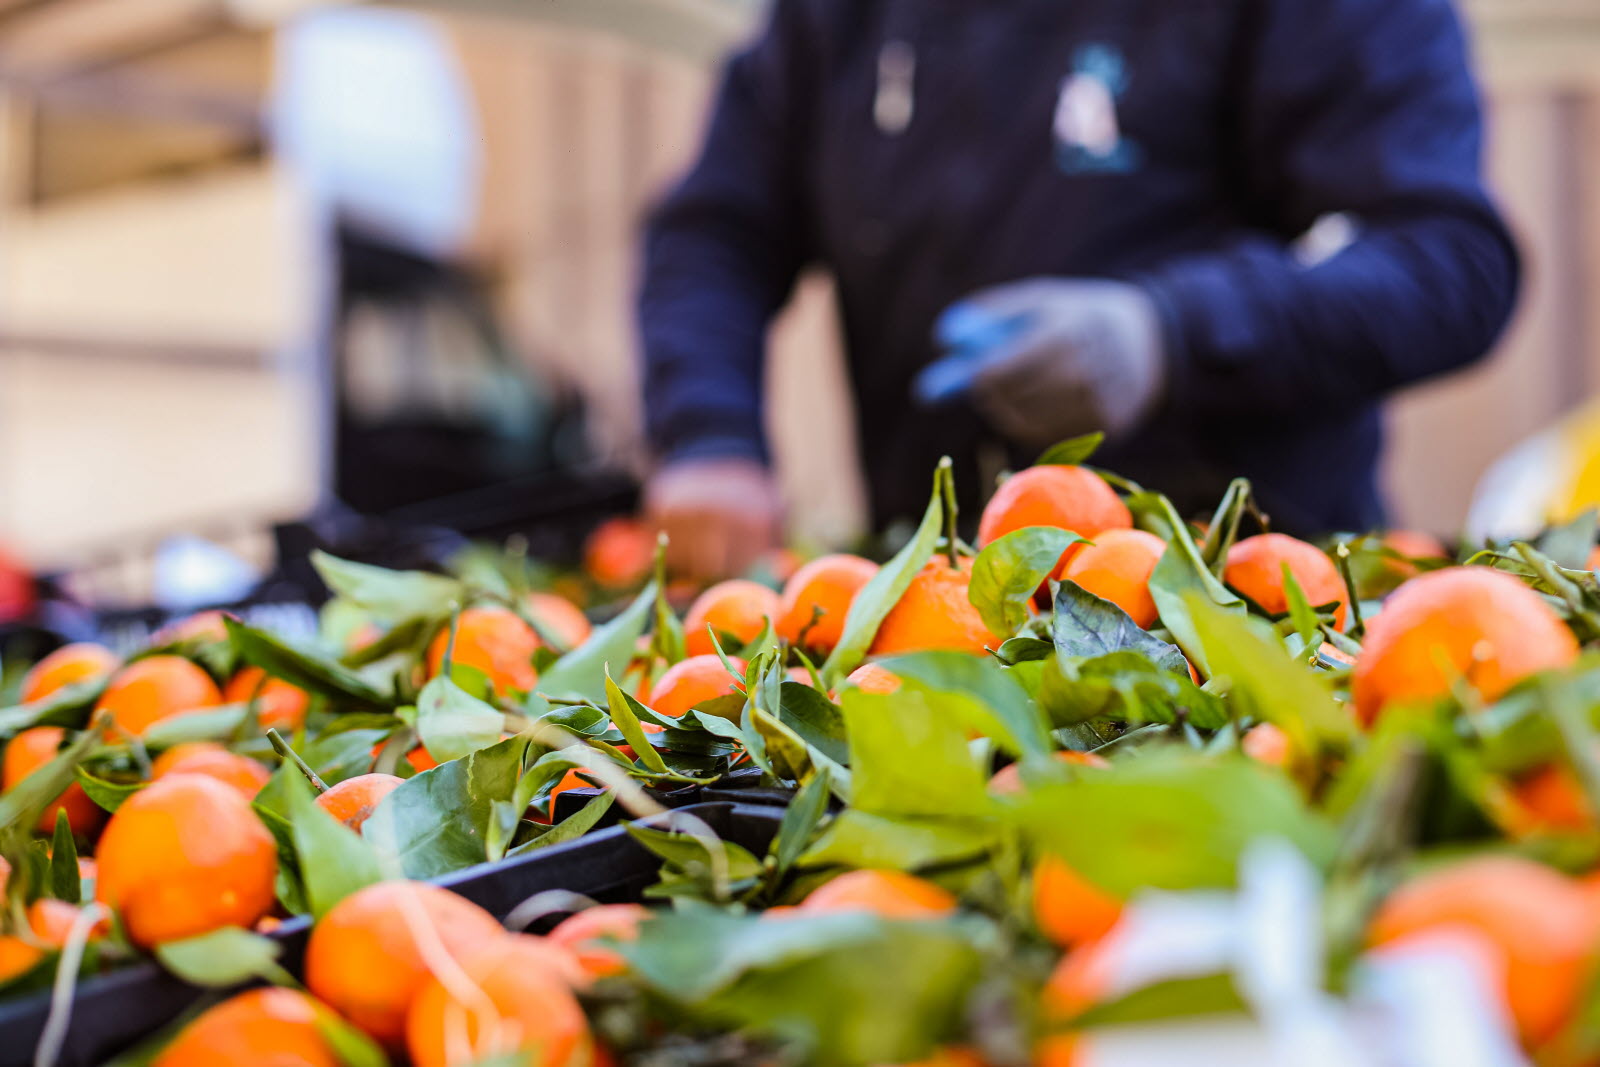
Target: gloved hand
1051,358
719,515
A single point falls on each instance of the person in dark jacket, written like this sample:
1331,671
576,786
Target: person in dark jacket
1048,218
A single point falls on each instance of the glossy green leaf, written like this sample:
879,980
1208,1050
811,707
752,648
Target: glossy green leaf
908,757
1167,821
313,672
1181,572
67,707
222,958
1072,452
886,587
389,595
334,860
109,795
856,838
581,673
437,821
23,804
452,722
1009,571
626,720
1088,626
990,699
1265,683
65,881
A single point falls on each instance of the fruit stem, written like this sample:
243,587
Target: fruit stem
1358,626
947,489
283,749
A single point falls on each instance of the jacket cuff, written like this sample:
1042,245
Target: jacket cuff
724,446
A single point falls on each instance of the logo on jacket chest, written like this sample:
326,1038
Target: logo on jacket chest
1086,128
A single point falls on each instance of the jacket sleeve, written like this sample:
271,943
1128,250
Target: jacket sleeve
1361,107
722,252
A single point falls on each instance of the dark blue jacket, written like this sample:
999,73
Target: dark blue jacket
1243,122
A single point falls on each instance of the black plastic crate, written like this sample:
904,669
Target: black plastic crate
111,1012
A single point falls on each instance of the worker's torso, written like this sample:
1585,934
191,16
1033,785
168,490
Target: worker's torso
958,144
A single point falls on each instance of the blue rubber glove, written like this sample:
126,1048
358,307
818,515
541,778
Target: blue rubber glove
1051,358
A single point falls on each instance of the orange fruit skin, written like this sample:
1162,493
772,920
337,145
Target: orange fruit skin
496,642
565,621
278,703
150,690
828,585
534,1011
364,962
52,920
260,1028
1461,622
738,607
185,856
32,749
583,932
1266,743
619,553
1255,568
353,800
888,894
693,681
17,957
214,761
1117,567
1068,908
934,613
1069,498
1540,924
66,666
873,678
1007,781
1551,798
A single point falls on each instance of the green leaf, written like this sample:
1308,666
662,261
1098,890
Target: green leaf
207,724
1087,626
388,595
222,958
334,860
908,756
67,707
1265,683
860,839
1181,572
1181,998
1167,821
990,699
309,671
438,821
1301,613
109,795
65,881
1071,452
452,722
22,805
818,981
1127,687
1010,570
800,821
351,1046
886,587
626,719
572,827
1224,528
690,858
815,719
581,673
1570,544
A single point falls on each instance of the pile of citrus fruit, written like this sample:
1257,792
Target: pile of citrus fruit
1110,785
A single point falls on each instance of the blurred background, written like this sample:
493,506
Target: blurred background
231,293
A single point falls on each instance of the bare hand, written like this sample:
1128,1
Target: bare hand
719,515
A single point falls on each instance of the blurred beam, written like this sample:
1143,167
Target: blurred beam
1544,43
695,29
66,35
136,94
